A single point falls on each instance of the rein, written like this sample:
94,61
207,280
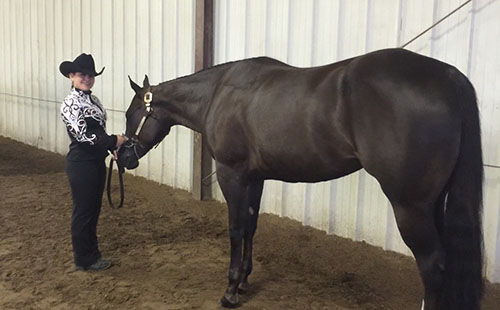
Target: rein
108,186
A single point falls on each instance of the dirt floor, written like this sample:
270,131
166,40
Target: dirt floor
171,252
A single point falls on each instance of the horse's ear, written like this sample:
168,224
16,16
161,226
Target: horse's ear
134,86
145,84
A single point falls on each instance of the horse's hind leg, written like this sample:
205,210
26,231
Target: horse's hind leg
254,197
417,225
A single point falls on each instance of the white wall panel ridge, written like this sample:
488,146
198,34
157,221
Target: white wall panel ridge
316,32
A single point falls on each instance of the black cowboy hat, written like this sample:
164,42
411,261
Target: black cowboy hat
83,63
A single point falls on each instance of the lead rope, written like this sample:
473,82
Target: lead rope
108,187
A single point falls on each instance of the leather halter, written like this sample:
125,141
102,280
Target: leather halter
148,97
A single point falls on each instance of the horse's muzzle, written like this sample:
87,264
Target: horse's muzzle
127,155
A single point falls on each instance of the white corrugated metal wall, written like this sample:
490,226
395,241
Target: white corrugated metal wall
309,33
134,37
128,37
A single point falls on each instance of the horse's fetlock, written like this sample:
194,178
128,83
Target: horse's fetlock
234,274
247,269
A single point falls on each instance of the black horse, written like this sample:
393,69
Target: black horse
410,121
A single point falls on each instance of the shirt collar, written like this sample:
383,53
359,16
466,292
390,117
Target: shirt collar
86,92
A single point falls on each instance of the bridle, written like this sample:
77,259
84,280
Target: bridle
148,97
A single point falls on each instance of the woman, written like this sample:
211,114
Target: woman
85,120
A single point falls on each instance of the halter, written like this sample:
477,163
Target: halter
148,97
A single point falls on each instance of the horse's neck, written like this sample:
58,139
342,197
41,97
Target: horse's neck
186,100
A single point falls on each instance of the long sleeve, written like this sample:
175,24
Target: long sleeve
85,121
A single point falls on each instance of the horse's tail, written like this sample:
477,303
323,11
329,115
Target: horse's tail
463,285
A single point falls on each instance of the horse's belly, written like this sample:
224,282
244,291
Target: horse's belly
303,170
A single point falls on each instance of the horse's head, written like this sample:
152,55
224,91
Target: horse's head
145,126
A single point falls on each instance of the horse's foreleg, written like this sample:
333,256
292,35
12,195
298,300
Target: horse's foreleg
254,197
234,187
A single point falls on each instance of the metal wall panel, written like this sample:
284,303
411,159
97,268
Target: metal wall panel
3,105
308,33
5,77
128,37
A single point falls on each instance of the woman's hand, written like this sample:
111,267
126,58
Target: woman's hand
120,140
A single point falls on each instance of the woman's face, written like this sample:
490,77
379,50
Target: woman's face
81,80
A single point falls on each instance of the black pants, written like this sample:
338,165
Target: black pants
86,179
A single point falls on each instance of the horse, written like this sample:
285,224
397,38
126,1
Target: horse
410,121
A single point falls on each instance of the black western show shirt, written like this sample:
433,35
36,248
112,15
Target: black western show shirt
85,120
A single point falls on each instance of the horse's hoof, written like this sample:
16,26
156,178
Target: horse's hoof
229,301
243,288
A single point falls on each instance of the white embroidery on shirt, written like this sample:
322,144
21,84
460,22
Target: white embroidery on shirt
75,108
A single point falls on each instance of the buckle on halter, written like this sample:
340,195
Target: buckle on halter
148,97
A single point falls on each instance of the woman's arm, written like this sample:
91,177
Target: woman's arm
86,126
